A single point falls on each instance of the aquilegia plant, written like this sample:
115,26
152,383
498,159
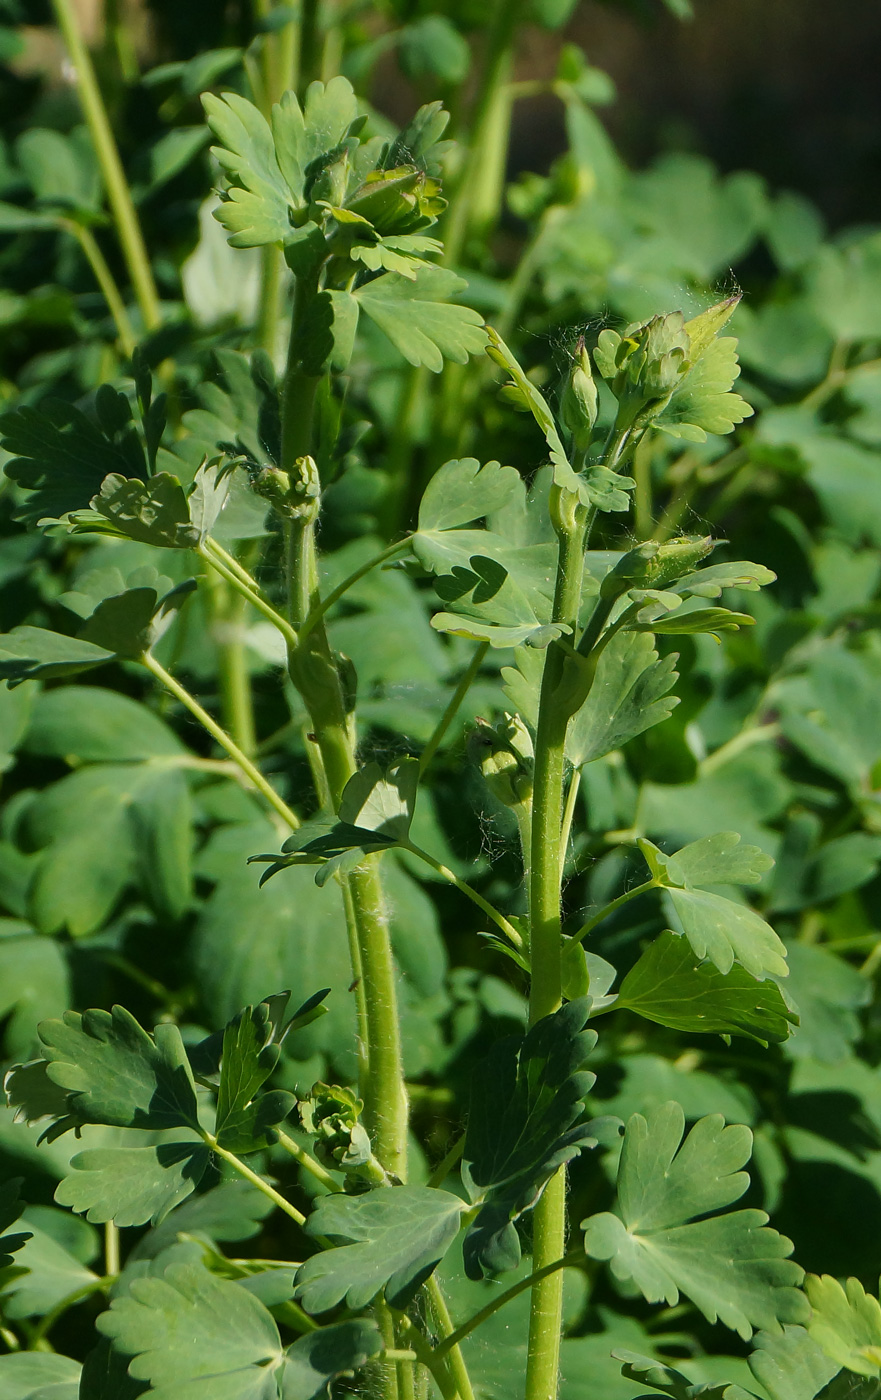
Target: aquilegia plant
510,568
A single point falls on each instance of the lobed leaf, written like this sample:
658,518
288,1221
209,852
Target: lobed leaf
396,1236
133,1185
846,1323
420,320
731,1266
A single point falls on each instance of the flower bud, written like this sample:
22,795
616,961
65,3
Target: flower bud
654,565
295,494
578,405
505,755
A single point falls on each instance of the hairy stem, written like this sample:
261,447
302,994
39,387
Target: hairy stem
125,217
451,1349
308,1162
240,580
610,908
241,759
546,933
507,928
501,1299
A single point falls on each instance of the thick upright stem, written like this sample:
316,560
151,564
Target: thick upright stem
316,674
125,216
546,934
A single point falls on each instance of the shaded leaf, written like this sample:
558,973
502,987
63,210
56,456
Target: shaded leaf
526,1119
116,1073
398,1236
670,986
11,1208
52,1272
672,1382
131,1185
30,652
790,1365
25,1374
250,1054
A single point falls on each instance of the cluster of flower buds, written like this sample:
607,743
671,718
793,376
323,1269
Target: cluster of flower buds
295,495
331,1115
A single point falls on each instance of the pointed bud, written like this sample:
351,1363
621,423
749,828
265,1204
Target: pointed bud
578,405
654,565
505,755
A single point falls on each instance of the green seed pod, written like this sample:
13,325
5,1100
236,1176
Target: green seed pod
578,404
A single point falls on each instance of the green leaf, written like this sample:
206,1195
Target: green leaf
463,491
62,457
192,1335
52,1270
731,1266
259,203
92,725
849,1387
492,605
714,926
314,1360
670,986
105,1376
713,860
153,512
11,1208
671,1382
34,982
131,1185
420,320
432,47
30,652
398,1236
846,1323
628,696
245,1123
828,995
116,1073
25,1375
162,818
790,1365
526,1119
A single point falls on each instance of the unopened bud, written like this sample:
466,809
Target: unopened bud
505,755
578,405
295,494
654,565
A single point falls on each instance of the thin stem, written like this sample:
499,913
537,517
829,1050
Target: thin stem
451,1349
240,759
568,1260
212,554
307,1161
507,928
614,904
125,216
321,608
111,1249
106,281
444,1167
46,1323
233,676
449,714
244,1170
568,814
362,1025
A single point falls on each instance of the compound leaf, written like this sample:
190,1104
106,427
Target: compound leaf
463,491
526,1119
258,205
192,1335
398,1235
719,859
731,1266
153,512
672,987
420,320
846,1323
250,1054
116,1073
133,1185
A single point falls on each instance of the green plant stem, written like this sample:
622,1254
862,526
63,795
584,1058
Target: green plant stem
315,672
484,122
244,1170
325,604
444,1167
111,1249
571,1259
122,205
308,1162
219,560
468,678
545,995
48,1321
106,281
610,908
451,1349
568,815
214,729
233,676
507,928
